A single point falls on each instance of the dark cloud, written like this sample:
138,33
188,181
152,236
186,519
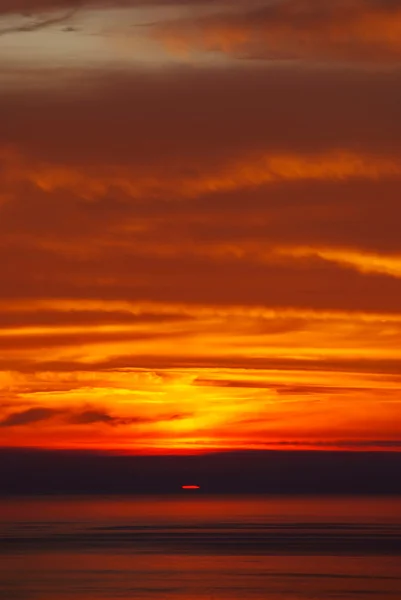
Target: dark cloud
233,383
389,367
293,213
307,283
302,390
28,417
351,444
64,318
54,340
27,6
91,417
282,109
284,389
38,24
267,472
346,444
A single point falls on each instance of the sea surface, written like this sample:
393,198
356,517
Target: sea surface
191,547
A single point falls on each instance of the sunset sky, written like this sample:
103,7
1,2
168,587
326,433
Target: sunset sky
200,224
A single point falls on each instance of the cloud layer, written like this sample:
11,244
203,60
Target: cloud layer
199,249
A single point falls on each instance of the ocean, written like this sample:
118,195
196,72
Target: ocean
194,546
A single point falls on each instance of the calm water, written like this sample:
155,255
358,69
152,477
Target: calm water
194,547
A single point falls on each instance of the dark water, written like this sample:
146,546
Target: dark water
194,547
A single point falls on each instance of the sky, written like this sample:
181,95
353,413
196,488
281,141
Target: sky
200,224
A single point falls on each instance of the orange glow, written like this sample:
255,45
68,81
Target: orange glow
190,487
201,252
233,386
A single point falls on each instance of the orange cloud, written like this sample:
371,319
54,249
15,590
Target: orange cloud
167,404
362,261
172,181
359,31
